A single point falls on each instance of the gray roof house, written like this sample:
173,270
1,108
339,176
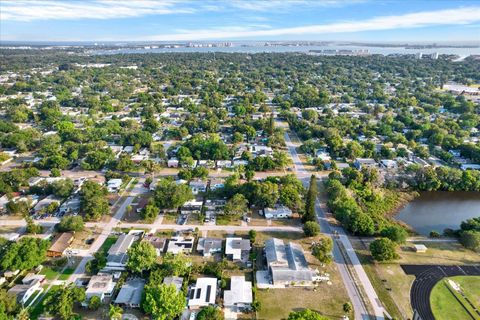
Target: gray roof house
176,281
130,294
208,246
287,264
117,255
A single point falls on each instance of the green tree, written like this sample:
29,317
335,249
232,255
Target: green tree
71,223
306,314
311,198
141,256
236,206
395,233
94,303
210,313
383,249
311,228
169,195
25,254
62,299
32,227
150,212
322,250
115,312
176,265
470,239
163,302
265,194
8,304
93,200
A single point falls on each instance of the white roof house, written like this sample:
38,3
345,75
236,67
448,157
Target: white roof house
180,244
203,293
101,286
113,185
237,248
277,212
240,293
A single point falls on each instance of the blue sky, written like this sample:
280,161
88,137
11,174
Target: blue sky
203,20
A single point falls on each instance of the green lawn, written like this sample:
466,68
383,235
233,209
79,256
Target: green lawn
444,304
49,273
109,242
66,274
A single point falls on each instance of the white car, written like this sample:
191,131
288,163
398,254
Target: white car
193,315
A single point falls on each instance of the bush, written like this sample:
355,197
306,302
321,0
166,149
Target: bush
383,249
434,234
470,239
395,233
311,228
94,303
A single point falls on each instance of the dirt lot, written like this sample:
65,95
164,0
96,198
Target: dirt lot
81,237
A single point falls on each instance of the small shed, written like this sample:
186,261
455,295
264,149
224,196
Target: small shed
420,248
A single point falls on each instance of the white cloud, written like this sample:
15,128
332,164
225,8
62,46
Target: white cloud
28,10
460,16
268,5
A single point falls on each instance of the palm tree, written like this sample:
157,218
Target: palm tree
115,312
23,314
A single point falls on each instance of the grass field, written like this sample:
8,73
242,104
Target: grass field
386,276
446,306
327,299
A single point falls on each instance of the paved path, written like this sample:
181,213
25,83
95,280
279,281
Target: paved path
352,287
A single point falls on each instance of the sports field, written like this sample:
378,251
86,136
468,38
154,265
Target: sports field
446,306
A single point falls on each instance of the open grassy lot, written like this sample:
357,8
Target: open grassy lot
393,285
446,306
326,299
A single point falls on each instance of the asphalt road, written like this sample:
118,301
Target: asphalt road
361,312
106,230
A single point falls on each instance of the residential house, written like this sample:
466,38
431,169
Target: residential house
279,212
60,244
209,246
176,281
158,243
117,254
24,291
180,244
100,285
240,294
130,295
360,163
198,186
204,293
113,185
237,249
